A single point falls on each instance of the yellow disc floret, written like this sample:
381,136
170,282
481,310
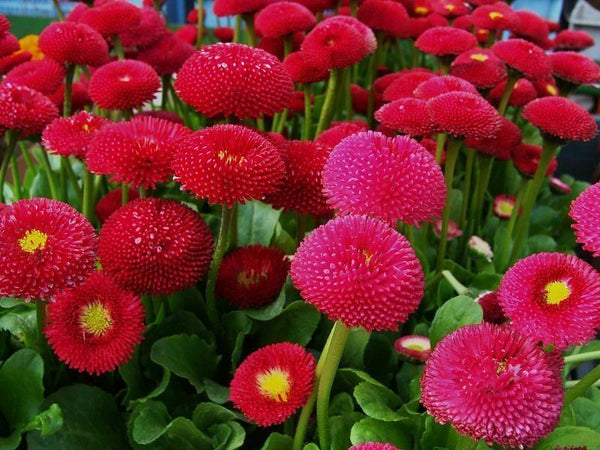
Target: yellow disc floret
556,292
33,241
274,384
95,319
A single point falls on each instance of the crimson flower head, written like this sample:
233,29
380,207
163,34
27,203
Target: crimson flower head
123,84
73,43
251,277
155,246
553,298
492,311
95,327
493,383
302,190
70,136
305,69
228,164
334,135
414,346
339,42
79,96
24,109
318,5
504,205
223,34
46,246
112,17
546,87
138,152
443,41
13,60
464,115
167,55
479,66
524,57
147,32
283,18
501,144
453,230
561,119
586,218
234,79
526,158
557,186
361,271
497,16
385,15
523,92
112,202
450,8
405,84
8,44
273,383
373,446
406,116
44,75
532,27
575,40
441,85
574,67
224,8
390,178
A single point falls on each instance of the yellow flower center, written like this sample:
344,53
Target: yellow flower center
501,367
225,156
556,292
414,347
495,15
33,241
29,43
86,128
480,57
95,319
506,208
250,278
551,89
274,384
421,10
449,7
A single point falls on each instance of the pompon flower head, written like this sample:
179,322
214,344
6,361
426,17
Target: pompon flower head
147,32
70,136
24,109
373,446
283,18
234,79
112,17
492,311
155,246
552,297
546,87
504,205
138,152
251,277
479,66
443,41
187,33
276,45
526,158
575,40
561,118
385,15
413,346
167,55
224,8
95,327
441,85
13,60
223,34
575,67
272,383
524,57
339,42
334,135
228,164
559,187
112,202
404,86
495,384
406,116
318,5
302,190
464,115
44,76
497,16
531,27
586,217
480,248
523,92
73,43
46,246
390,178
361,271
123,84
453,230
501,144
8,44
450,8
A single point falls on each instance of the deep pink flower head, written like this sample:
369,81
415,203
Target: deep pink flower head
575,67
223,34
462,114
123,84
546,87
73,43
44,76
406,116
575,40
276,45
526,158
492,311
318,5
167,55
385,15
552,297
359,270
112,17
501,144
283,18
404,85
497,16
561,118
450,8
24,109
532,27
234,79
413,346
524,57
443,41
336,133
479,66
339,42
390,178
224,8
8,45
586,217
46,246
373,446
187,33
70,136
228,164
112,201
493,383
4,25
523,92
441,85
13,60
149,30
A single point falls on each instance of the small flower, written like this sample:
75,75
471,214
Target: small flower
385,15
492,311
284,18
414,346
441,85
479,66
404,85
443,41
273,383
24,109
373,446
113,17
501,144
44,76
334,135
524,57
558,186
112,202
224,8
504,205
406,116
453,230
497,16
575,67
150,29
305,69
532,27
481,248
526,158
70,136
575,40
73,43
523,92
586,217
223,34
167,55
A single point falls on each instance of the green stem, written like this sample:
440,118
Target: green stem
73,179
124,193
166,82
250,36
505,247
457,285
453,147
27,157
14,168
329,102
467,187
200,25
339,337
49,174
300,227
87,201
215,264
281,122
143,192
510,85
68,90
439,147
307,112
570,383
233,237
582,386
287,45
582,357
370,81
116,40
11,142
59,11
237,29
485,171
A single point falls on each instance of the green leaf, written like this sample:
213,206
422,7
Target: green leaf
277,441
313,446
237,326
373,430
360,375
283,240
207,414
455,313
10,442
570,436
20,321
587,413
296,323
47,422
341,403
341,427
187,356
256,223
567,417
268,312
21,387
355,348
215,392
91,421
378,402
541,243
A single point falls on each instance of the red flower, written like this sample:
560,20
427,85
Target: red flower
112,201
167,55
501,144
441,85
453,230
192,16
224,8
155,246
497,16
414,346
373,446
546,87
553,298
138,152
404,86
276,45
147,32
492,383
44,76
251,277
523,92
10,61
95,327
526,158
532,27
24,109
123,84
70,136
283,18
223,34
385,15
442,41
480,67
586,217
575,67
9,44
187,33
561,118
112,17
318,5
46,246
228,164
504,205
73,43
273,383
407,116
234,79
492,311
305,69
4,25
559,187
576,40
524,57
361,271
336,133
